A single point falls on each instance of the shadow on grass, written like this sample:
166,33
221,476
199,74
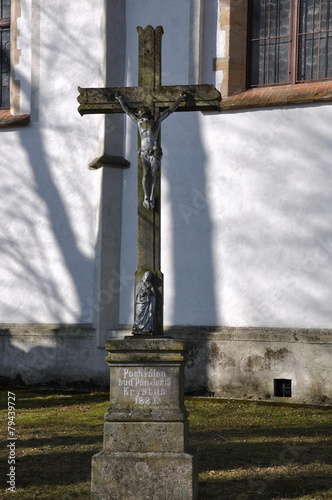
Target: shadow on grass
40,465
287,469
314,431
229,456
49,399
254,488
43,443
56,468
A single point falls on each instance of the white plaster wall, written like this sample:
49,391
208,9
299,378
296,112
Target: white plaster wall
271,212
246,204
249,219
49,198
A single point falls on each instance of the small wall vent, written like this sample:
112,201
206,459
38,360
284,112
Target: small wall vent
282,388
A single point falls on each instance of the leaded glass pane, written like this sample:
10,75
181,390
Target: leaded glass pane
4,67
269,41
325,15
314,40
284,18
258,19
5,8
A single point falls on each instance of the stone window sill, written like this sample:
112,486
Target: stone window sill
284,95
8,120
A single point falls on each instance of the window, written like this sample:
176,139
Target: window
290,41
14,103
5,53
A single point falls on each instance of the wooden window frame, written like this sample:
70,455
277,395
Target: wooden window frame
4,22
293,42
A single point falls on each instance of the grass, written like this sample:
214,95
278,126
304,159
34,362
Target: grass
247,450
255,450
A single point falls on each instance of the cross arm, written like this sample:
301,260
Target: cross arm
102,100
198,97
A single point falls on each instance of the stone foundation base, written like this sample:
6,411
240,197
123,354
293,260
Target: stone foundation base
142,476
143,437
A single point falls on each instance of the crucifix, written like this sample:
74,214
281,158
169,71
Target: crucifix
148,105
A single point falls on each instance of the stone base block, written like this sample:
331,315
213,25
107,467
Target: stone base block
146,436
144,476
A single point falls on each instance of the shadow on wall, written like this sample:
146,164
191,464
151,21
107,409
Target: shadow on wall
193,299
193,291
60,357
78,265
48,232
47,227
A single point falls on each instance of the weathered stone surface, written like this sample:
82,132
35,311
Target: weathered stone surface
201,98
142,476
244,362
146,436
147,379
145,453
151,348
216,360
106,160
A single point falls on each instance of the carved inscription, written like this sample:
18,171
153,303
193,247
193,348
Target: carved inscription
145,386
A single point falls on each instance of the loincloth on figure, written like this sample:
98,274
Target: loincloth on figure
151,154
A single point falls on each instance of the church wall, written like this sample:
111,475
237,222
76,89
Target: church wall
245,363
49,198
52,355
248,219
225,362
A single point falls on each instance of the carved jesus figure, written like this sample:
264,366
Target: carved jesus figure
150,150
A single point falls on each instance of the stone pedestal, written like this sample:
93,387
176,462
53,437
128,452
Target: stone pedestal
145,454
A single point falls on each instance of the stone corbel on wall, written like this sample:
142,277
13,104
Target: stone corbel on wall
106,160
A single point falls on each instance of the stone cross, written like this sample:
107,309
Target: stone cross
148,104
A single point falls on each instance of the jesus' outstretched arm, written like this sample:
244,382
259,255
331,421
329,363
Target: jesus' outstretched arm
172,108
124,106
